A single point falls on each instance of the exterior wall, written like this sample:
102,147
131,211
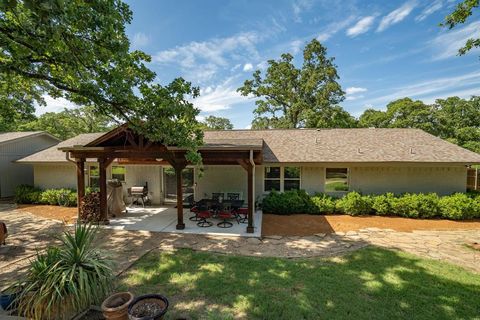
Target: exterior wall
52,176
221,179
137,175
441,180
13,174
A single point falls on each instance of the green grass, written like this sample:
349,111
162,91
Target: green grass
370,283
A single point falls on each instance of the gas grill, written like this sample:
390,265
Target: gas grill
139,195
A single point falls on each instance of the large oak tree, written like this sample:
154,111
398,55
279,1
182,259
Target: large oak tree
291,97
79,50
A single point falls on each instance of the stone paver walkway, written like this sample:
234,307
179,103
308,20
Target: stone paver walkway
29,233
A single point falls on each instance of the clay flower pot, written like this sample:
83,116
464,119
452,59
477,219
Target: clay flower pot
148,307
115,307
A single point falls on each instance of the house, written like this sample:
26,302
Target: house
370,161
333,161
17,145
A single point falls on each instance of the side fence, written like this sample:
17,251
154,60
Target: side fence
473,179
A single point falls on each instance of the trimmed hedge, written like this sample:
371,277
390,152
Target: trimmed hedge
26,194
457,206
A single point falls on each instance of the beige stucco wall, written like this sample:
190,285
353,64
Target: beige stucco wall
221,179
441,180
137,175
48,176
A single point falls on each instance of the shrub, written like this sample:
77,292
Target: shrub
49,196
353,203
459,206
416,205
26,194
289,202
323,203
66,279
382,204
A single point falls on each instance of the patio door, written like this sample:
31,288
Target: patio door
170,184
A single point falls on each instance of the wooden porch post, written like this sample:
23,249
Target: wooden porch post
249,168
251,206
178,172
102,166
80,184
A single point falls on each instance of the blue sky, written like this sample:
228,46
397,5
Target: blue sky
384,50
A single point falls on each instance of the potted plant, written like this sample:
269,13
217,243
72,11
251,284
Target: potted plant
65,279
7,298
148,307
115,307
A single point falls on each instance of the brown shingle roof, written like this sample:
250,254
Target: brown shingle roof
318,145
11,136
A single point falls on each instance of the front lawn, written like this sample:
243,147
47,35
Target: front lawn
370,283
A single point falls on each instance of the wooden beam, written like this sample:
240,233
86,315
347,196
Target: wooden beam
103,190
80,185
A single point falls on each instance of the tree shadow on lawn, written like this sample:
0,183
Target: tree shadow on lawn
370,283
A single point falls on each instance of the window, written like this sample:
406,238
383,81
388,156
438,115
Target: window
282,178
118,172
94,176
336,179
291,178
272,178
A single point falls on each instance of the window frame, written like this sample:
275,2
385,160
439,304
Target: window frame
124,174
325,180
282,177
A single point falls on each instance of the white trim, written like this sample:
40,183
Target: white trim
282,176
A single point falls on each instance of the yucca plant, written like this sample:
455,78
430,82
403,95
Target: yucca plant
66,279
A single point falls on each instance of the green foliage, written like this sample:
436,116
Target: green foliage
66,279
79,50
353,203
460,206
26,194
457,206
69,123
217,123
291,97
462,11
382,204
325,204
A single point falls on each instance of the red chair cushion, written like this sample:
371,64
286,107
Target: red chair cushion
204,214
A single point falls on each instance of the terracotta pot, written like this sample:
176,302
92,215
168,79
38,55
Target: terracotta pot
148,307
115,307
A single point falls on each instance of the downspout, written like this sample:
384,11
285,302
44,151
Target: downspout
253,173
67,156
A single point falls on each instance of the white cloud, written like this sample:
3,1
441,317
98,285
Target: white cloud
298,7
352,93
220,97
296,46
396,15
447,44
248,127
140,39
334,28
200,61
354,90
362,26
429,9
463,86
54,105
247,67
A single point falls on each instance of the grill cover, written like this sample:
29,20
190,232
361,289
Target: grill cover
115,202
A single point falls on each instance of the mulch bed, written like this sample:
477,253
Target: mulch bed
305,225
68,214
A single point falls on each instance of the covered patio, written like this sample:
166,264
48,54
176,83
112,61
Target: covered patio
125,146
164,219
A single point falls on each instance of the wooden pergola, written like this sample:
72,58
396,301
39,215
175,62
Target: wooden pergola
128,147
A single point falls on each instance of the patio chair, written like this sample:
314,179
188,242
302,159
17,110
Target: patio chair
3,232
225,213
233,196
194,210
203,214
217,195
242,214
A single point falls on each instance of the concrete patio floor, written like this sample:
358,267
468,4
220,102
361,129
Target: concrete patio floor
164,219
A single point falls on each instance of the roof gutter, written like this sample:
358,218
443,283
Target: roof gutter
67,156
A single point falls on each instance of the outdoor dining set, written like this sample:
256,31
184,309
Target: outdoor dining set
225,208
